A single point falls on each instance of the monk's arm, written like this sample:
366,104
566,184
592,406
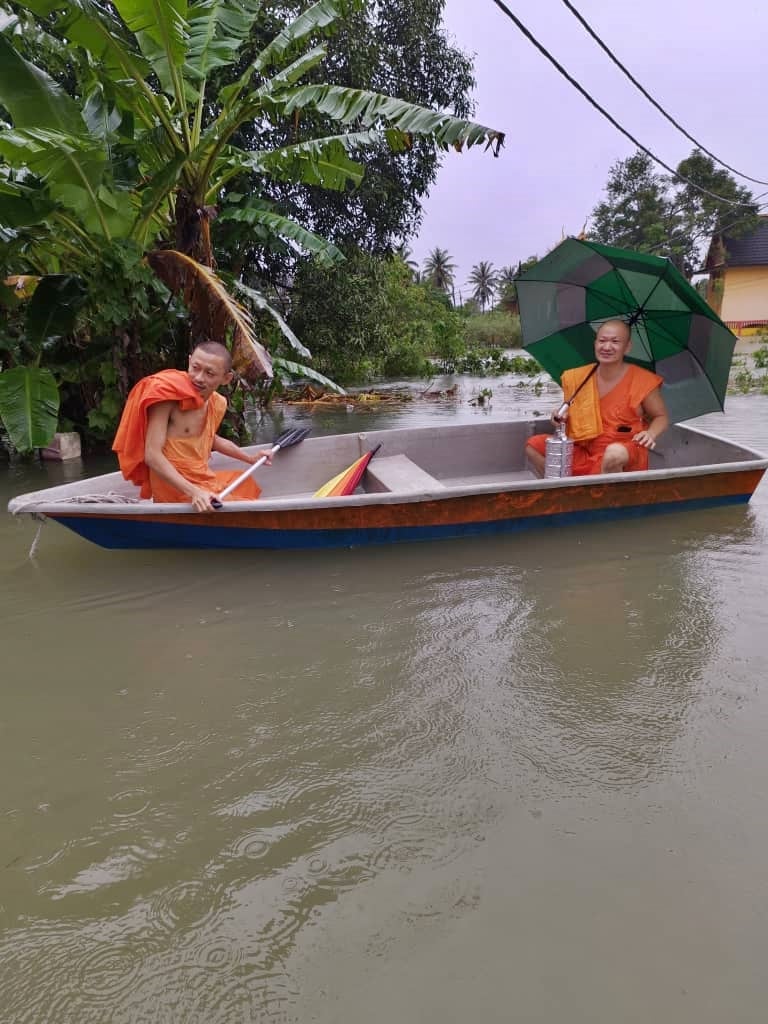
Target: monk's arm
229,448
158,417
655,411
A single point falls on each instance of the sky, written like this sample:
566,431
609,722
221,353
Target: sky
704,62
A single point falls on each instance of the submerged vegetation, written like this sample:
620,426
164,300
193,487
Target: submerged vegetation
745,379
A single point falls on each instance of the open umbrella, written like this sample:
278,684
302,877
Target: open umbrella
348,479
565,297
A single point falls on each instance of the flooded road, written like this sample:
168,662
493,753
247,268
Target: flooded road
503,779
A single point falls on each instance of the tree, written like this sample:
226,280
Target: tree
636,213
507,289
404,253
703,217
400,48
368,317
650,212
439,270
144,152
483,280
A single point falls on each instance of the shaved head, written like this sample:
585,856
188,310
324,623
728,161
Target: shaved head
620,326
213,348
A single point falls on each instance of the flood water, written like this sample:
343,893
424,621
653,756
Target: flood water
504,779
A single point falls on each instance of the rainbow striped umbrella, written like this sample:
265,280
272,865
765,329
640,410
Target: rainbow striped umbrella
348,479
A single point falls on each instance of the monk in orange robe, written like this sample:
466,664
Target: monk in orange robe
617,410
168,431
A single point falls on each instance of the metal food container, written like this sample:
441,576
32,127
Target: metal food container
558,460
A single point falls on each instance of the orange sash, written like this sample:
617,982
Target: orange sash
131,436
584,419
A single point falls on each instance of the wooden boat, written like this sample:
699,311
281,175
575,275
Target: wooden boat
425,483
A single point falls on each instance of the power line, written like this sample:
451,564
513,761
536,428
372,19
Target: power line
579,17
553,60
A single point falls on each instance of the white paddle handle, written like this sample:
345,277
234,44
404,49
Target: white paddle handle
244,476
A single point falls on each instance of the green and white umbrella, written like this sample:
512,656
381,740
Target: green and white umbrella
565,297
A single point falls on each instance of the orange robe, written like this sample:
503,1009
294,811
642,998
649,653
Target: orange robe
619,407
189,455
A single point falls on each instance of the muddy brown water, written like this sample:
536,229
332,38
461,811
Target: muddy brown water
503,779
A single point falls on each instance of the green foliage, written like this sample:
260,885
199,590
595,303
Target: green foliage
29,397
483,279
53,308
341,313
29,406
400,48
650,212
420,322
439,270
495,328
506,284
492,363
743,380
128,326
129,121
369,318
760,355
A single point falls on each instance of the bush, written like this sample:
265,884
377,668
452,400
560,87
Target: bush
492,363
498,329
368,318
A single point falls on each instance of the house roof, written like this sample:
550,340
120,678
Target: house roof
747,251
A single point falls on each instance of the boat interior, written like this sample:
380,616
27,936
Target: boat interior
416,461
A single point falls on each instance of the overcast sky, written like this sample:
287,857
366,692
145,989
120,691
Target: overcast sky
704,62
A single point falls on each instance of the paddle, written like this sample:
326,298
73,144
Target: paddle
286,440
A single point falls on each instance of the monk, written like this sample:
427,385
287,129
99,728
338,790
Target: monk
617,413
168,431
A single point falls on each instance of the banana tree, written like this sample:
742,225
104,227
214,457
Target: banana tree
29,395
146,152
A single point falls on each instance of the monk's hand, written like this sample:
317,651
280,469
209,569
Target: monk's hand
644,439
202,500
266,454
560,414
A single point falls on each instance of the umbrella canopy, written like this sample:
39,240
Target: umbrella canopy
567,295
347,481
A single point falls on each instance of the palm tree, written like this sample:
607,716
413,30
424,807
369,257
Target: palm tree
507,289
439,270
405,253
483,277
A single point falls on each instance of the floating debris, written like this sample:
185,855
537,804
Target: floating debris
308,395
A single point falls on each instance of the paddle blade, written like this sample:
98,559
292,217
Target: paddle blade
291,437
347,481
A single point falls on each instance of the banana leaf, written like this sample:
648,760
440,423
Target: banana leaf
29,406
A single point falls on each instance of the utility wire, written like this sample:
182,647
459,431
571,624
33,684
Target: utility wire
580,18
553,60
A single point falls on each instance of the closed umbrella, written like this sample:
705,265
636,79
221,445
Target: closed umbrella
346,482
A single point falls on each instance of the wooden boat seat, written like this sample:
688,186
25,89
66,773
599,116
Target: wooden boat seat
397,473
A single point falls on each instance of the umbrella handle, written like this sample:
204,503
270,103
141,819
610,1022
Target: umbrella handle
562,411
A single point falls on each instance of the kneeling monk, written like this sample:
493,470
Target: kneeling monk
616,412
168,431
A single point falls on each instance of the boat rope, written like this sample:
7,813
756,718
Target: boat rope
41,523
112,498
30,508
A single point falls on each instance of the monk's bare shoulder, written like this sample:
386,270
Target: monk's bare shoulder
158,418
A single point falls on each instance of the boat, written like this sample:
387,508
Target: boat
425,483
